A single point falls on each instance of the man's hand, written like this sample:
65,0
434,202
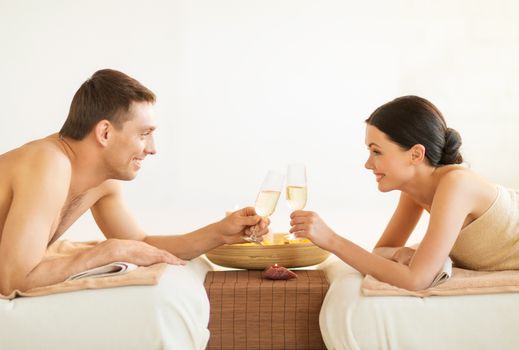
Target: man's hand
241,223
136,252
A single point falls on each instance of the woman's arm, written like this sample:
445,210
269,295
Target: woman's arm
399,228
402,223
452,203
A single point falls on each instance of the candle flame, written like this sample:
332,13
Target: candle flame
275,265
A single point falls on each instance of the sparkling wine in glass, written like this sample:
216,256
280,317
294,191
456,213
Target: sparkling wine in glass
266,202
268,197
297,191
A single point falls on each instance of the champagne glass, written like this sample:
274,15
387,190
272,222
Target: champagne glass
297,191
267,198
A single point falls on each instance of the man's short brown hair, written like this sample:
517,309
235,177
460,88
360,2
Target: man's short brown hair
106,95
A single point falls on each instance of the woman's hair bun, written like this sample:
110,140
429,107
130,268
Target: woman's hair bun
451,150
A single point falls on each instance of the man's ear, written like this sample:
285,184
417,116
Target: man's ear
417,153
103,132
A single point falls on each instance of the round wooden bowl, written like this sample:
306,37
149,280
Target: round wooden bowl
256,257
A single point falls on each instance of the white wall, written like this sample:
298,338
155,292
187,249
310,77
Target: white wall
244,86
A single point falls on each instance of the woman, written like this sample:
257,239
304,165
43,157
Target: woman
474,221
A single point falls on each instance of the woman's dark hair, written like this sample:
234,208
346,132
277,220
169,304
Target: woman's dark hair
411,120
105,95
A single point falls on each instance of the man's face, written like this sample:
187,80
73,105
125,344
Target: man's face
133,142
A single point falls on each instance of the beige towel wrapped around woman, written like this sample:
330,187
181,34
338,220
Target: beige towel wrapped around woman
491,242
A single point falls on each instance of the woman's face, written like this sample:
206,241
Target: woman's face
391,164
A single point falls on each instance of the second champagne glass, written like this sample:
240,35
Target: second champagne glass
297,191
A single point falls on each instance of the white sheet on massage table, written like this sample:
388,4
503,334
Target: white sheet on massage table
349,320
171,315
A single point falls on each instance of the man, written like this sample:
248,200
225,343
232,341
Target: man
47,184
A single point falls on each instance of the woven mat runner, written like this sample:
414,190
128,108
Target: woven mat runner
249,312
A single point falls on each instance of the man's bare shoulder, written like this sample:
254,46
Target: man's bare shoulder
43,150
36,157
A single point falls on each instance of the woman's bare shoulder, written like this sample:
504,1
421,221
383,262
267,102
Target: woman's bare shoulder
469,185
459,175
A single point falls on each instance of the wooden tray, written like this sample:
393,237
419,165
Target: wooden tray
255,257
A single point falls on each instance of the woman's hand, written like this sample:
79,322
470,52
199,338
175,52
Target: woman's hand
309,225
243,222
403,255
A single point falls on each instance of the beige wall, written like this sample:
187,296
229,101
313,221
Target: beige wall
245,86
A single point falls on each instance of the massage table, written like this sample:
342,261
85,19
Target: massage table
349,320
173,314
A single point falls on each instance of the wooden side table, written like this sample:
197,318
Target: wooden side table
249,312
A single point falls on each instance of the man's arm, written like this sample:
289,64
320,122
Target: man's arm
226,231
115,221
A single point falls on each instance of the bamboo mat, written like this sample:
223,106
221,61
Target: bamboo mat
249,312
